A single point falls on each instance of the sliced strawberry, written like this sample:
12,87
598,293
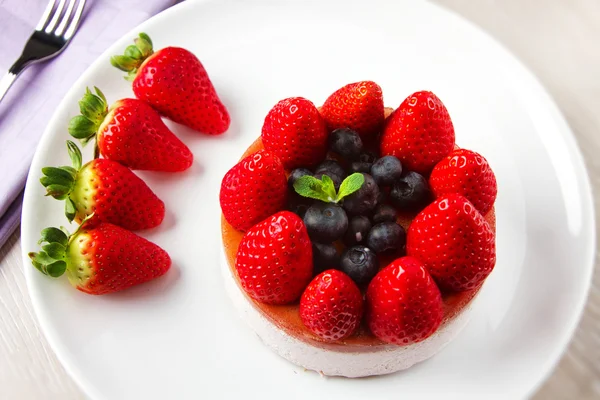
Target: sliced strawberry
295,132
404,305
358,106
253,189
331,307
420,132
454,242
274,259
467,173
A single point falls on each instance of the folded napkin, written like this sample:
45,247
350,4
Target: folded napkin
28,106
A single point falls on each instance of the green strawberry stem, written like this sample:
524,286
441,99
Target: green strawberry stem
52,259
93,109
60,181
134,56
323,189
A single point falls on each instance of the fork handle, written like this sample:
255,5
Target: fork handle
6,83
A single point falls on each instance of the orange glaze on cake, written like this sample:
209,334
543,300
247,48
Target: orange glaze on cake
287,317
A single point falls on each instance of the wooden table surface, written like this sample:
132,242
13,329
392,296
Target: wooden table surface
558,40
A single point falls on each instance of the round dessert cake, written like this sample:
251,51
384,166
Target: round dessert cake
361,347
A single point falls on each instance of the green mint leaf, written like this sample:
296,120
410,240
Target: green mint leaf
54,235
56,269
74,154
350,185
328,188
311,187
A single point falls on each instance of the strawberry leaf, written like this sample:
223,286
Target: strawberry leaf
74,154
56,269
54,235
55,250
81,127
70,209
350,185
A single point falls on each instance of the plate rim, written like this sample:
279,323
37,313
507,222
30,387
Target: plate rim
518,68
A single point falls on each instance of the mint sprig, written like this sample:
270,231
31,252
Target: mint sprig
323,189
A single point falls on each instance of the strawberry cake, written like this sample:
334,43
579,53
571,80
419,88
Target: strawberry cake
356,237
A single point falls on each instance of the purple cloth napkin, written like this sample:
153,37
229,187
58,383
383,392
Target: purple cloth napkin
29,104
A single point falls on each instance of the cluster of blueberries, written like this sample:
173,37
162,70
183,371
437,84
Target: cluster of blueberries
366,220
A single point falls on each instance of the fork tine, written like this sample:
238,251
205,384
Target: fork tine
55,17
46,15
75,20
63,23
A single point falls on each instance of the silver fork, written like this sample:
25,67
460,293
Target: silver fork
52,34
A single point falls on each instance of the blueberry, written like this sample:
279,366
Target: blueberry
333,170
360,263
410,192
364,163
346,143
325,256
386,170
358,229
298,204
360,166
297,174
384,212
386,236
364,199
325,222
368,156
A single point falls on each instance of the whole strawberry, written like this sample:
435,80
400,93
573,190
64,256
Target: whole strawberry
100,258
130,133
404,305
358,106
174,82
274,259
295,132
106,189
253,189
420,132
467,173
331,307
454,242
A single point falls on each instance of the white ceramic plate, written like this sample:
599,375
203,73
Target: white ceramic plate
179,337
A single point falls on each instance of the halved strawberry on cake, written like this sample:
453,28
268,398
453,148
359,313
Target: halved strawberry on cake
357,236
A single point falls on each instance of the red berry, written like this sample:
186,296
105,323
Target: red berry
174,82
274,259
358,106
420,132
295,132
253,189
134,135
105,188
454,242
404,305
100,258
469,174
331,307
